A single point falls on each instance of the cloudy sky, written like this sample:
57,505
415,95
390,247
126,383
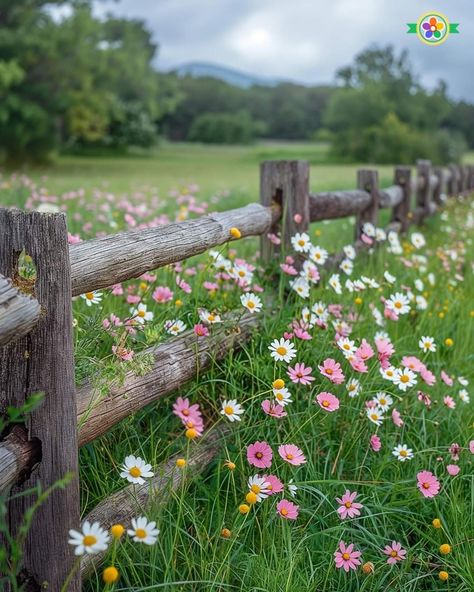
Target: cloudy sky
303,40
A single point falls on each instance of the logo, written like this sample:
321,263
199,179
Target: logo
433,28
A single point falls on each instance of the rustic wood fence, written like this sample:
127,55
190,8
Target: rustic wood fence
36,341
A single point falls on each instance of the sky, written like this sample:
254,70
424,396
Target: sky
303,40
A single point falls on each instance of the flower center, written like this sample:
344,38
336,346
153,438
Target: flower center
382,401
348,504
256,488
325,403
242,273
90,296
289,456
283,511
89,540
185,412
141,313
211,318
393,553
259,455
426,485
404,378
346,346
403,453
135,472
140,533
281,350
251,304
328,371
398,304
229,410
374,416
346,556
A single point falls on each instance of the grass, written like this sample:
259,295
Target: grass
265,552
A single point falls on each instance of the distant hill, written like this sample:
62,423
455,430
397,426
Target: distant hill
234,77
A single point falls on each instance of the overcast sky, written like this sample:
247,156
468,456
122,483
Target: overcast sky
303,40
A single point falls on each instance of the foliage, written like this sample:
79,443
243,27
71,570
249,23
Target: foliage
223,128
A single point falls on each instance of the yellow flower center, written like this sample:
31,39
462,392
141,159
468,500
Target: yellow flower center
289,456
185,411
393,553
397,304
325,403
389,373
348,504
242,273
283,511
89,540
229,410
280,397
141,314
301,242
404,378
426,485
140,533
383,401
346,556
403,453
251,304
135,472
281,350
256,488
374,416
211,318
328,371
259,455
90,296
346,346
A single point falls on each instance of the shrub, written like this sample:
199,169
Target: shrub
223,128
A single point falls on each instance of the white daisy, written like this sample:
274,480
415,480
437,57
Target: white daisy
347,346
135,470
391,279
404,378
301,242
319,309
143,531
418,240
308,317
464,396
335,283
421,302
310,272
232,410
300,286
140,314
92,539
174,327
292,488
370,282
259,486
369,229
383,401
388,373
347,266
92,297
318,255
399,303
419,285
427,344
251,302
353,387
375,415
282,396
463,381
380,235
402,452
349,252
209,317
242,273
282,350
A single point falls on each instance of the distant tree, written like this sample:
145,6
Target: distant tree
223,128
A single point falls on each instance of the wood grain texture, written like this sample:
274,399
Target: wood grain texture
402,210
285,182
132,501
337,204
368,180
424,191
19,312
102,262
43,361
176,361
390,197
18,456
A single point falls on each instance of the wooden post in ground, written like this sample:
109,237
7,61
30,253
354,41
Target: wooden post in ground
368,180
438,190
285,182
401,212
423,191
43,361
453,181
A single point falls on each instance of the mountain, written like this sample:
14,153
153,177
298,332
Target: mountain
234,77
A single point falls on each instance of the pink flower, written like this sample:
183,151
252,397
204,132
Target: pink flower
454,451
274,484
287,510
162,294
471,446
298,218
413,363
183,285
273,409
397,418
358,364
200,330
449,402
428,484
395,553
117,290
332,370
346,557
375,443
446,378
124,354
300,373
328,401
288,269
300,329
273,238
348,507
292,454
185,411
428,377
425,398
453,470
364,351
259,454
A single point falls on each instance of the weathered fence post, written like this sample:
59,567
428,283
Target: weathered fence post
368,180
423,189
453,181
287,183
43,361
438,189
401,212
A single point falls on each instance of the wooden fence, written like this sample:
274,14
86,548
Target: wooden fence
36,341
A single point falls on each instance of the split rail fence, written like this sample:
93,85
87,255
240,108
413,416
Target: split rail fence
36,340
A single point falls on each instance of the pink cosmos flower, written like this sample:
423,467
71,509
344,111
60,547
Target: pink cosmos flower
471,446
446,378
211,286
390,314
375,443
200,330
346,557
300,373
273,409
273,238
335,310
332,370
292,454
288,269
162,294
274,484
428,484
348,507
395,553
428,377
287,509
328,401
358,364
131,299
300,330
364,351
183,285
413,363
454,451
259,454
449,402
185,411
453,470
124,354
424,398
117,290
397,418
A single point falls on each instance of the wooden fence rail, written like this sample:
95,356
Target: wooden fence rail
36,344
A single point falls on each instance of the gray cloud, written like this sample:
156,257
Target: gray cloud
303,40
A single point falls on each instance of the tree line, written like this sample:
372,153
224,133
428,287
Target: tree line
79,83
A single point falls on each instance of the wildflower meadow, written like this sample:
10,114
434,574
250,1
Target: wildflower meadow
342,429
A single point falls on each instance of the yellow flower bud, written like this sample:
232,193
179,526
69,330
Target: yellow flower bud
191,433
251,498
235,232
445,549
244,509
230,465
226,533
117,531
180,463
358,300
368,568
448,342
278,383
443,576
110,575
178,302
436,523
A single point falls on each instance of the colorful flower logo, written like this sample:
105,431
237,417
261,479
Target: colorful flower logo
433,28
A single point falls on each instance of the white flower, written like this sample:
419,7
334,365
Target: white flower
135,469
399,303
378,316
140,314
301,242
421,303
375,415
404,378
419,285
388,373
418,240
391,279
310,272
143,531
232,410
464,396
319,309
300,286
353,387
432,279
349,252
369,229
383,401
292,488
463,381
92,297
308,317
347,266
92,539
427,344
318,255
282,350
259,486
347,346
380,235
370,282
251,302
209,317
220,262
242,273
402,452
335,283
283,396
359,285
174,327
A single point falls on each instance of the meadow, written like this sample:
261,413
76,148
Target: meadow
346,447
